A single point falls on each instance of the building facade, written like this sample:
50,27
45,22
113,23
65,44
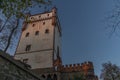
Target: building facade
40,47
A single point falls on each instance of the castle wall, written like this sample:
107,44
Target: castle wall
38,42
78,71
72,76
86,68
14,70
42,45
40,59
77,76
44,54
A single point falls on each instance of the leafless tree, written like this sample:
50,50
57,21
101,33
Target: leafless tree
110,71
113,19
12,13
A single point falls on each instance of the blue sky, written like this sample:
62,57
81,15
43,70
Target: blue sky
84,37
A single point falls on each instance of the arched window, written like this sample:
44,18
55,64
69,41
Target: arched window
47,31
37,33
27,34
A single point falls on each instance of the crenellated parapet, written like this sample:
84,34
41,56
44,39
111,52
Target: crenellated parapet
86,68
42,17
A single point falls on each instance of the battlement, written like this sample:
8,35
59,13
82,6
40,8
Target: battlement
86,68
42,16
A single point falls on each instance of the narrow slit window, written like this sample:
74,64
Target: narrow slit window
27,34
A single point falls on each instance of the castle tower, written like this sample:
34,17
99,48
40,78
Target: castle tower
40,41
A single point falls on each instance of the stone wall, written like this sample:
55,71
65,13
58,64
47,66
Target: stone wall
86,67
77,76
14,70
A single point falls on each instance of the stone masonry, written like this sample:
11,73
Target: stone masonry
11,69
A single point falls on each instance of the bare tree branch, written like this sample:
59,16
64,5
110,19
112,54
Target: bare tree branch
11,34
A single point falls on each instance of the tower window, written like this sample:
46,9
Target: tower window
31,17
47,31
28,47
39,16
47,14
43,23
27,34
33,25
37,33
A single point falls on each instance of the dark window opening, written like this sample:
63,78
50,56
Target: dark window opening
33,25
37,33
47,14
47,31
27,34
28,47
43,23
